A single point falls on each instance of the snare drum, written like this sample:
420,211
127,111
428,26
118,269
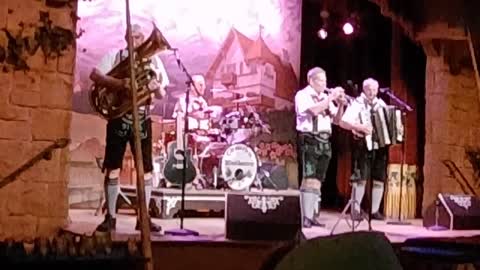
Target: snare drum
239,166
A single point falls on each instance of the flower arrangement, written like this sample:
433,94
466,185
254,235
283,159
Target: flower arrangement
275,151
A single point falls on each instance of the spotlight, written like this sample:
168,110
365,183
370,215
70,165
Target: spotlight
348,28
322,33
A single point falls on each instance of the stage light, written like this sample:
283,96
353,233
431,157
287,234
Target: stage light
348,28
322,33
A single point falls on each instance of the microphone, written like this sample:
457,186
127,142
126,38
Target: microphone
384,90
177,55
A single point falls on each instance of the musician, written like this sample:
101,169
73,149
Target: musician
364,105
315,113
120,130
197,105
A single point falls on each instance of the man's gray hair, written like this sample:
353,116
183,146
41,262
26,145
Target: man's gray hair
314,71
370,82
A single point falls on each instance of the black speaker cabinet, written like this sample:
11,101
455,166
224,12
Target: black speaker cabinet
267,215
454,212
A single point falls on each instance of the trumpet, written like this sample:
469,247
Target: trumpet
350,99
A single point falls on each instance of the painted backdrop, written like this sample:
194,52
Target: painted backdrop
250,47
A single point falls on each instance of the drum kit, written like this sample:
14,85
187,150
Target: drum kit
223,154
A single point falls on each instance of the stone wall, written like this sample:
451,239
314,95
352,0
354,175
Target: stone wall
452,123
35,110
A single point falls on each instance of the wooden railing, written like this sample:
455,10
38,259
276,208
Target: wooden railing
44,154
462,181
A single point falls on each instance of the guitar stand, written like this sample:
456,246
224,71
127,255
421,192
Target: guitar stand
266,175
351,204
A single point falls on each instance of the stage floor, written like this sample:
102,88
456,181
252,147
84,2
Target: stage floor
213,229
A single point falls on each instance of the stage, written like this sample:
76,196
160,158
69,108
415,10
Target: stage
211,250
213,229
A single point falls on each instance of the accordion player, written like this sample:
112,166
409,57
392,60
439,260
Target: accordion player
386,124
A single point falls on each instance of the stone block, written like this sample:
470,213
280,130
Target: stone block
58,200
36,199
66,62
15,206
27,81
15,130
5,86
44,171
25,11
3,13
20,227
49,226
11,156
62,17
38,62
57,91
25,98
12,112
49,125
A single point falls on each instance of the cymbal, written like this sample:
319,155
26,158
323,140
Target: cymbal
159,119
218,90
177,94
244,99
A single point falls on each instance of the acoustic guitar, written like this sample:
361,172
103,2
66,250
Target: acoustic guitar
174,168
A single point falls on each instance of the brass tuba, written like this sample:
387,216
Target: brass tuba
114,103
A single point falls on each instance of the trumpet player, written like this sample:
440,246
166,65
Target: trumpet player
120,130
315,113
365,162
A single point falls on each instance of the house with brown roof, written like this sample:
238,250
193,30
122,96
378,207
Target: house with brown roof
248,68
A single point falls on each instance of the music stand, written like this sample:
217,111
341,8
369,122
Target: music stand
182,231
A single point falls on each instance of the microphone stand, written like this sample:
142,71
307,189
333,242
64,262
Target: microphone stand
404,108
182,231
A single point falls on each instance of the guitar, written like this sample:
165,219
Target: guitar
173,170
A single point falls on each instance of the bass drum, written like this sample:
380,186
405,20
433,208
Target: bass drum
239,166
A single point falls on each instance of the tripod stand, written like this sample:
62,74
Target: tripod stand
351,204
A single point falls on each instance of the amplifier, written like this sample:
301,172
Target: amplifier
266,215
454,212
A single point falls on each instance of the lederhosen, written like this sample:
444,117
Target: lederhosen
314,157
120,131
365,161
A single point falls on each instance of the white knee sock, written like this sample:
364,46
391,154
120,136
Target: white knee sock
112,190
148,188
359,188
377,195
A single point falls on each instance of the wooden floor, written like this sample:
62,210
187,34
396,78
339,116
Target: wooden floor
213,229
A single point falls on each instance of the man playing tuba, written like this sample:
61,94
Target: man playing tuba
120,130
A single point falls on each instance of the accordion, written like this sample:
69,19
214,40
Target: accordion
387,127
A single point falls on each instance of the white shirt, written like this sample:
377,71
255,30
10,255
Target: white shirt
196,103
304,100
360,106
359,112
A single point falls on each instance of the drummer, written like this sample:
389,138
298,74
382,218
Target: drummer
198,110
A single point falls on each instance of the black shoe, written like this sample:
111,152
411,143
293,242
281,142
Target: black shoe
378,216
153,227
308,223
108,224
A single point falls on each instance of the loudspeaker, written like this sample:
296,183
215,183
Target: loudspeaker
273,215
454,212
273,176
